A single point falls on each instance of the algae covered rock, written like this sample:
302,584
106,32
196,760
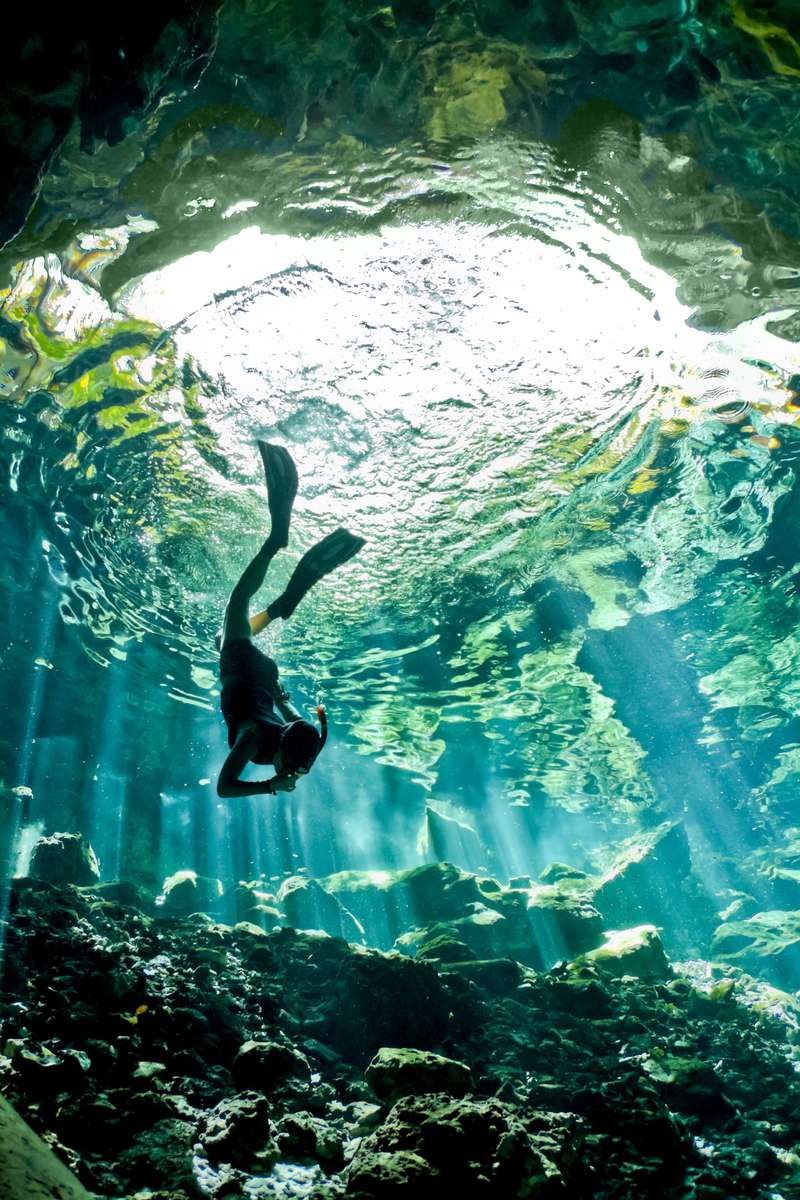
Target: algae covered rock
65,858
472,86
303,1137
400,900
265,1065
238,1131
396,1072
29,1170
307,905
385,999
187,892
472,1147
537,928
636,951
428,907
562,924
690,1085
374,1174
162,1156
497,975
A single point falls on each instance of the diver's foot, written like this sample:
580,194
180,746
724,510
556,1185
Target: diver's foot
281,476
334,550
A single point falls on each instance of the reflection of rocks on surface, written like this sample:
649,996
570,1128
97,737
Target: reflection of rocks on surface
192,1057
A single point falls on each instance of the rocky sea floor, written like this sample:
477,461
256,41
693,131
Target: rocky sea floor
171,1056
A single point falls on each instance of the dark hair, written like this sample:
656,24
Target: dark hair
300,744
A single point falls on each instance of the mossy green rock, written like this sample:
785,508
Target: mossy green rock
636,951
65,858
307,905
187,892
263,1065
396,1072
457,1140
29,1170
428,907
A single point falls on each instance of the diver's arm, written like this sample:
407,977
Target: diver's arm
286,708
229,784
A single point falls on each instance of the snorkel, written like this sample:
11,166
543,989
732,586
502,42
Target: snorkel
322,717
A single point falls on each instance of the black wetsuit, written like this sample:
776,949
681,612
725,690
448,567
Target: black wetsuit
249,683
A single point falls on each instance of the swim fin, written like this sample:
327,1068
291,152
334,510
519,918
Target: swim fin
334,550
281,476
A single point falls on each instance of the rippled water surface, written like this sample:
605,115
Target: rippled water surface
560,403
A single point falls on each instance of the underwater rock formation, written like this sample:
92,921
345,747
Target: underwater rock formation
189,1058
29,1170
395,1072
65,858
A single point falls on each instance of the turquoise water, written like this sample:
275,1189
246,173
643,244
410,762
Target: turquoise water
532,335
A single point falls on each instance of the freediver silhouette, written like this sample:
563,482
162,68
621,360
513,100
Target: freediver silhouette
251,688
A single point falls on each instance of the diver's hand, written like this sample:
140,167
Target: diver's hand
283,783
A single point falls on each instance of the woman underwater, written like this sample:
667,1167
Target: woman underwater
251,690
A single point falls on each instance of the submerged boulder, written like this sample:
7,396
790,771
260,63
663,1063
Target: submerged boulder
264,1065
445,839
635,951
396,1072
65,858
388,903
307,905
187,892
562,924
303,1137
537,928
238,1131
385,999
690,1085
425,908
642,882
470,1147
161,1157
29,1170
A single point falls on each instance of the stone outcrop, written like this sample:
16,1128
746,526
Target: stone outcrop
431,1142
187,892
635,951
306,905
429,906
187,1058
396,1072
64,858
29,1170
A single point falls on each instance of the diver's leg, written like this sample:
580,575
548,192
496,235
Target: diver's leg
237,617
281,477
317,562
